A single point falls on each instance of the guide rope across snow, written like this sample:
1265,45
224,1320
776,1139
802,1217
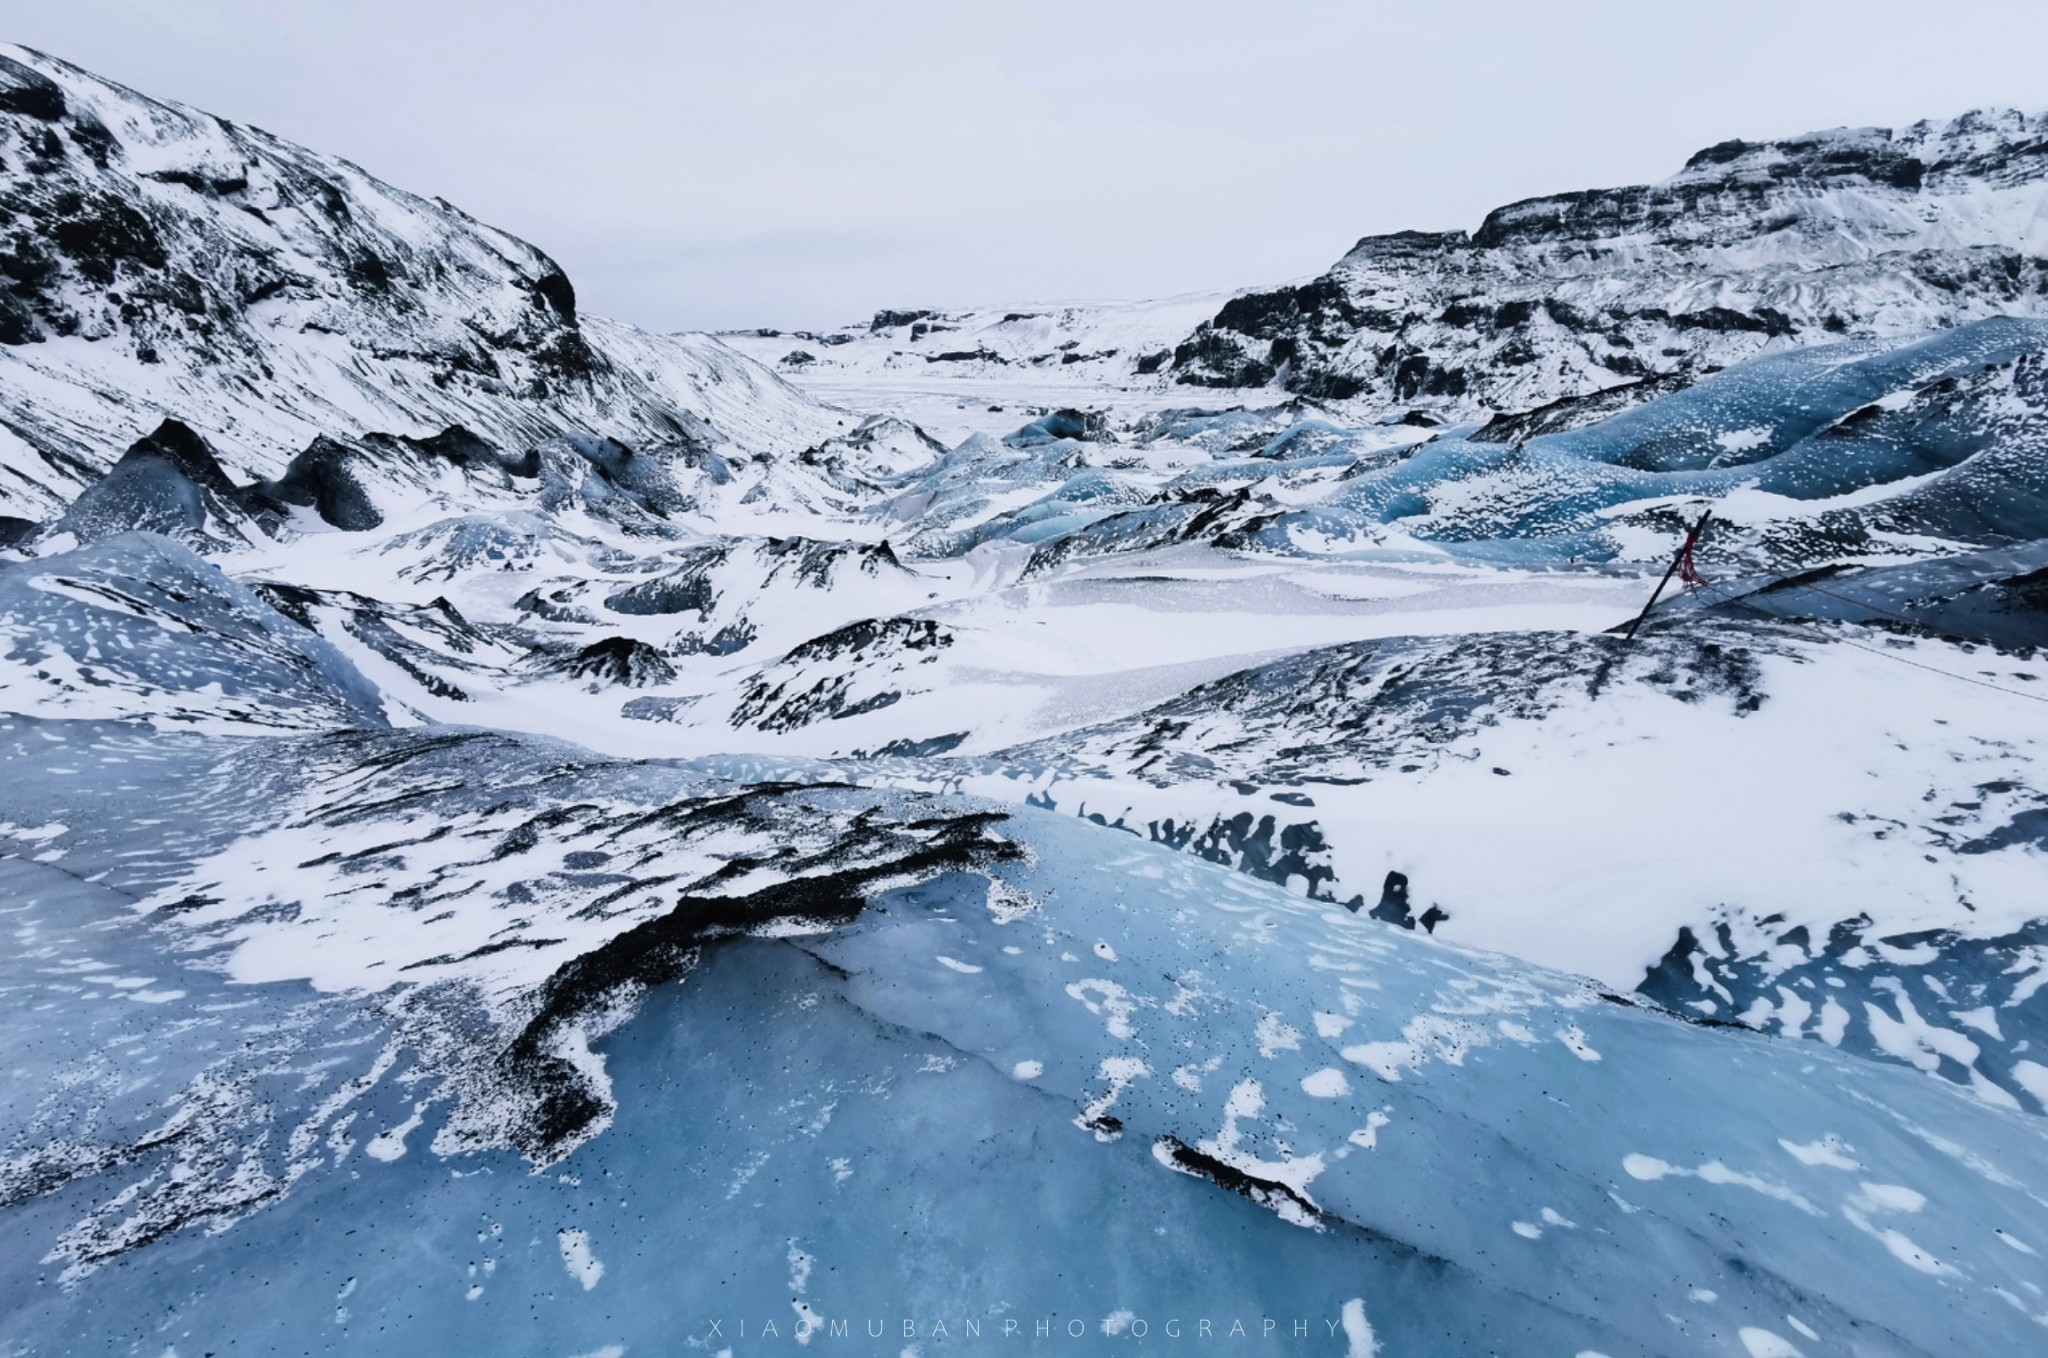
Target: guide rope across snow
1683,566
1719,597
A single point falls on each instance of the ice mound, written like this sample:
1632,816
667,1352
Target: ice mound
138,628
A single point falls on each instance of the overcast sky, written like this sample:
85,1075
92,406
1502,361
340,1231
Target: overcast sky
701,165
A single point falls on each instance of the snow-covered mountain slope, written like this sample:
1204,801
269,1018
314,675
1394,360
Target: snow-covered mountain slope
160,262
1856,233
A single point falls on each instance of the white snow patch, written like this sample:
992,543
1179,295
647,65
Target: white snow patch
1742,440
2032,1077
1109,1000
1575,1041
1368,1136
1358,1335
1248,1100
1984,1019
583,1266
389,1144
1119,1071
1830,1150
1328,1083
1874,1199
1275,1035
1763,1343
1834,1022
1649,1169
1425,1036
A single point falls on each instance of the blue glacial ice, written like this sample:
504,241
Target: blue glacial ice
1105,1084
1935,438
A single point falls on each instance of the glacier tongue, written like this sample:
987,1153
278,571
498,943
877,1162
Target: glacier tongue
526,835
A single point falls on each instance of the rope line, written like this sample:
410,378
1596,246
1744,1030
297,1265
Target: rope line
1862,604
1732,601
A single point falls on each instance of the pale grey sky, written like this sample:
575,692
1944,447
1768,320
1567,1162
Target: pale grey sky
790,162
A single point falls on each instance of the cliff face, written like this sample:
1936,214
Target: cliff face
1752,246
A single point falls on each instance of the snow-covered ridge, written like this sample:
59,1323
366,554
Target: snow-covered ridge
1751,247
161,262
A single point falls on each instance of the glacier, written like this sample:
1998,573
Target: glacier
1065,826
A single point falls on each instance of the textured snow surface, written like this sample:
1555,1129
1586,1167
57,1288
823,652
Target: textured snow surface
522,835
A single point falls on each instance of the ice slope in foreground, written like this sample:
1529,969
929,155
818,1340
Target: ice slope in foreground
1099,1082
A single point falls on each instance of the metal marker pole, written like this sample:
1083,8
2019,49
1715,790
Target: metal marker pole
1690,539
